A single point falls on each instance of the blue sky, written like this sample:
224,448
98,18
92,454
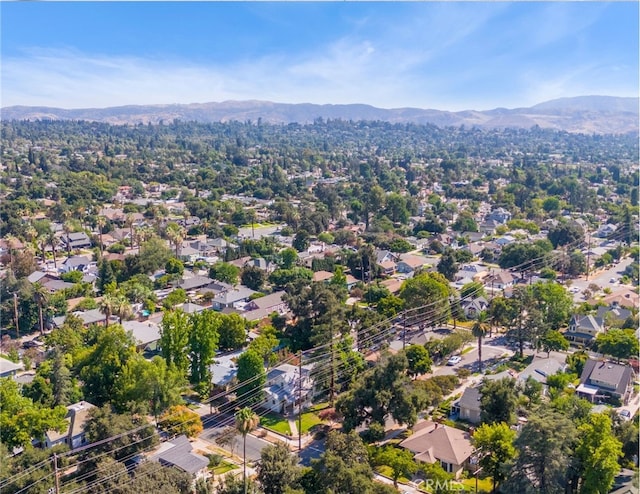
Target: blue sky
443,55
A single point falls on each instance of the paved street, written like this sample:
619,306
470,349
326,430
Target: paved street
602,278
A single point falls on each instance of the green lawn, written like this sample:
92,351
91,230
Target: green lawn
276,423
309,419
484,485
224,467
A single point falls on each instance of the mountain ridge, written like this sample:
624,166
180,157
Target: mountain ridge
580,114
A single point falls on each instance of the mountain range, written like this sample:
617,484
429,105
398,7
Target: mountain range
582,114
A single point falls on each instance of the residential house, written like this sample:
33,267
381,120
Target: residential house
601,380
499,215
325,276
73,436
388,267
473,272
224,370
499,280
41,277
540,368
8,368
232,298
472,307
77,240
475,248
468,406
188,253
286,388
351,281
384,256
613,313
436,443
409,263
146,334
88,317
583,329
392,284
77,263
194,282
488,227
260,308
621,297
191,308
179,453
606,230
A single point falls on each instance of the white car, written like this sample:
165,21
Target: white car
456,359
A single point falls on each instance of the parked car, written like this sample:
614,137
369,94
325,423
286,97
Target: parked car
456,359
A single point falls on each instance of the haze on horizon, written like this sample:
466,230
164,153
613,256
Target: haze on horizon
445,55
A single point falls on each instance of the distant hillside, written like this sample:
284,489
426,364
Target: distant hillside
586,114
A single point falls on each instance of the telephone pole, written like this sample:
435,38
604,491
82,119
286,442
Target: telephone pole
56,474
15,313
300,401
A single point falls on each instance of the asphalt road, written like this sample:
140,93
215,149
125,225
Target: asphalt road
254,444
600,278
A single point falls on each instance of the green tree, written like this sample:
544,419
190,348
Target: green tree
565,233
246,420
174,266
119,436
288,258
418,359
544,450
498,400
225,272
232,331
150,383
494,442
180,419
426,289
381,392
278,469
554,341
251,377
174,339
102,363
597,452
448,266
253,277
21,419
619,343
41,296
203,343
265,344
399,460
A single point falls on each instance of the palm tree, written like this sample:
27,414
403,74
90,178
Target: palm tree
11,247
246,421
53,241
479,330
68,228
128,222
122,308
101,221
41,296
108,306
175,234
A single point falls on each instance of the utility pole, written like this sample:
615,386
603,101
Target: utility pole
56,474
332,391
15,313
404,329
300,401
588,253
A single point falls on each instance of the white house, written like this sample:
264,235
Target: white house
285,388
